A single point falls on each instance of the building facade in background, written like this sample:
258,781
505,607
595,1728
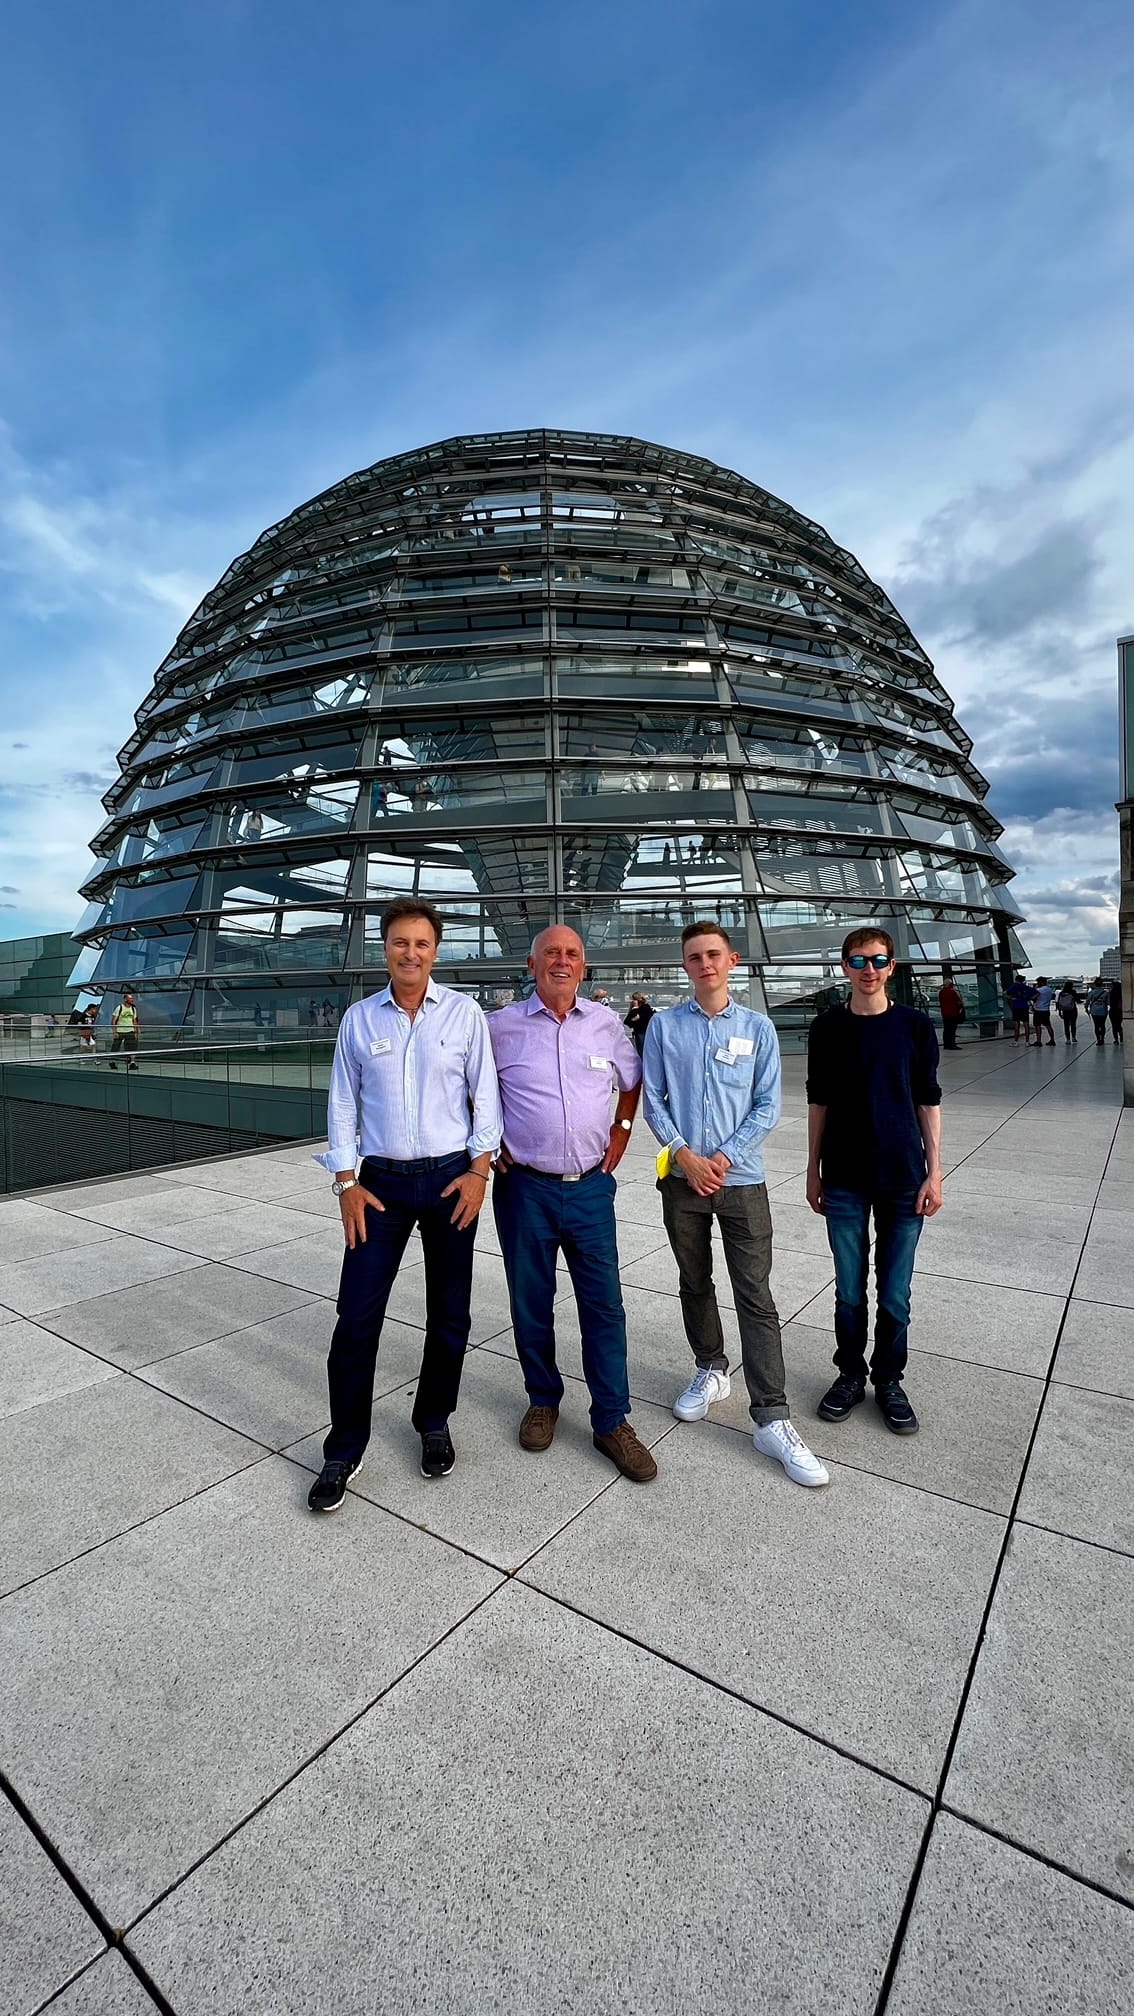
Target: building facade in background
541,676
35,975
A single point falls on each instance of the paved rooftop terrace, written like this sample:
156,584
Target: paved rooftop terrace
533,1738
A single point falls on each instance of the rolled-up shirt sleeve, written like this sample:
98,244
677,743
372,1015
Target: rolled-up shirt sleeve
343,1104
765,1109
487,1125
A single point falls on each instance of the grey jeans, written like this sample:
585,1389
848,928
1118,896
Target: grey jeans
746,1234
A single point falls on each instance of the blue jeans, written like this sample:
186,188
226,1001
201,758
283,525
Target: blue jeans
897,1229
538,1217
411,1197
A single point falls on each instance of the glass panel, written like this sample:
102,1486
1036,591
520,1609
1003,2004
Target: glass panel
675,680
463,581
642,735
685,859
156,841
461,739
139,955
504,862
293,760
310,805
616,570
464,679
629,623
456,626
278,940
129,903
279,882
476,794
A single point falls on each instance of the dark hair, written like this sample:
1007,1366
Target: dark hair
704,929
411,906
855,940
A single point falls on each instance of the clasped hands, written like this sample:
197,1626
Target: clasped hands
705,1174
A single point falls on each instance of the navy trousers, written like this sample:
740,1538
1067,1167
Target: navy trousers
538,1217
897,1229
411,1194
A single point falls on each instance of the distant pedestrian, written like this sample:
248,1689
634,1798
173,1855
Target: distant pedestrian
1098,1008
637,1020
1114,1009
1067,1002
1041,1010
1019,998
952,1014
126,1023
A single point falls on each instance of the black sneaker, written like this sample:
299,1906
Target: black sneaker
838,1400
896,1410
329,1489
437,1454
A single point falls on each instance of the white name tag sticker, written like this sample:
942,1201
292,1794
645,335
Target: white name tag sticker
379,1046
741,1046
599,1063
727,1057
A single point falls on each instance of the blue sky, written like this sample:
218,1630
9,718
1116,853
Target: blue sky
876,257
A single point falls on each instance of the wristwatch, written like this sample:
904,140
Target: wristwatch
627,1124
338,1187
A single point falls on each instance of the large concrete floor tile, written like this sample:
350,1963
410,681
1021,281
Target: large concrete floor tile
1107,1272
976,1240
1097,1348
1018,1185
1078,1479
242,1227
313,1263
316,1200
535,1886
135,1326
499,1502
154,1693
852,1611
992,1930
35,1366
74,1274
86,1466
28,1232
45,1935
1045,1753
1008,1328
975,1422
109,1988
78,1198
150,1214
270,1380
255,1177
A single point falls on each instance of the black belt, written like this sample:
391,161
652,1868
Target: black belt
550,1175
420,1168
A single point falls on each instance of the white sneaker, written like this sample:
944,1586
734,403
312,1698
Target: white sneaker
706,1387
779,1439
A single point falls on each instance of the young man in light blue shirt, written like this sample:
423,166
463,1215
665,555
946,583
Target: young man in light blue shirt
711,1072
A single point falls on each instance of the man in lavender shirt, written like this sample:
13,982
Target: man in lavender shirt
558,1057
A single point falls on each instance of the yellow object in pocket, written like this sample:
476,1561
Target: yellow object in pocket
663,1164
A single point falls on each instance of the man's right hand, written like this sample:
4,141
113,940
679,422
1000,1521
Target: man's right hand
702,1176
352,1208
815,1192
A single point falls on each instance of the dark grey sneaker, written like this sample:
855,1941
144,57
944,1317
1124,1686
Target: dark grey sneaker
329,1489
838,1400
895,1408
437,1454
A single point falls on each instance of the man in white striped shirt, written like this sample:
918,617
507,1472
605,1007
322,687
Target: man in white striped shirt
414,1086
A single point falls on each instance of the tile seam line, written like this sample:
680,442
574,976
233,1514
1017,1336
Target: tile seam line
129,1370
313,1757
938,1797
1037,1855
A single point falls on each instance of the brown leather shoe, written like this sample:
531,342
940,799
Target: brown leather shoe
537,1429
627,1453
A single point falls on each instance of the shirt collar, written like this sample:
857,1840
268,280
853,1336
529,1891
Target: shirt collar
696,1009
387,994
534,1006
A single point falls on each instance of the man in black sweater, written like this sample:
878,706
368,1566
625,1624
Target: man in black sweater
873,1147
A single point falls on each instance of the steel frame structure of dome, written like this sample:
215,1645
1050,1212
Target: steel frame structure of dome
534,677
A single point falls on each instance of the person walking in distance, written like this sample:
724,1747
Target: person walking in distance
712,1096
1114,1010
559,1058
874,1151
1042,997
1019,999
1098,1008
413,1077
952,1013
1067,1002
637,1020
126,1024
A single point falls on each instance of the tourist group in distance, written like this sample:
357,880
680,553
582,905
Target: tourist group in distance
1031,1003
433,1103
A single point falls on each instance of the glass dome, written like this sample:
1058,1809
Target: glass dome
541,676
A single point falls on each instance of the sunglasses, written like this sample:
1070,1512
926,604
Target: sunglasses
858,961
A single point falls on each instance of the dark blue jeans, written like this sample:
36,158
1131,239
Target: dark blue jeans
897,1229
538,1217
367,1278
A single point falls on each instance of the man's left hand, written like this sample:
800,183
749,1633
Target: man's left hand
929,1197
619,1142
471,1192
